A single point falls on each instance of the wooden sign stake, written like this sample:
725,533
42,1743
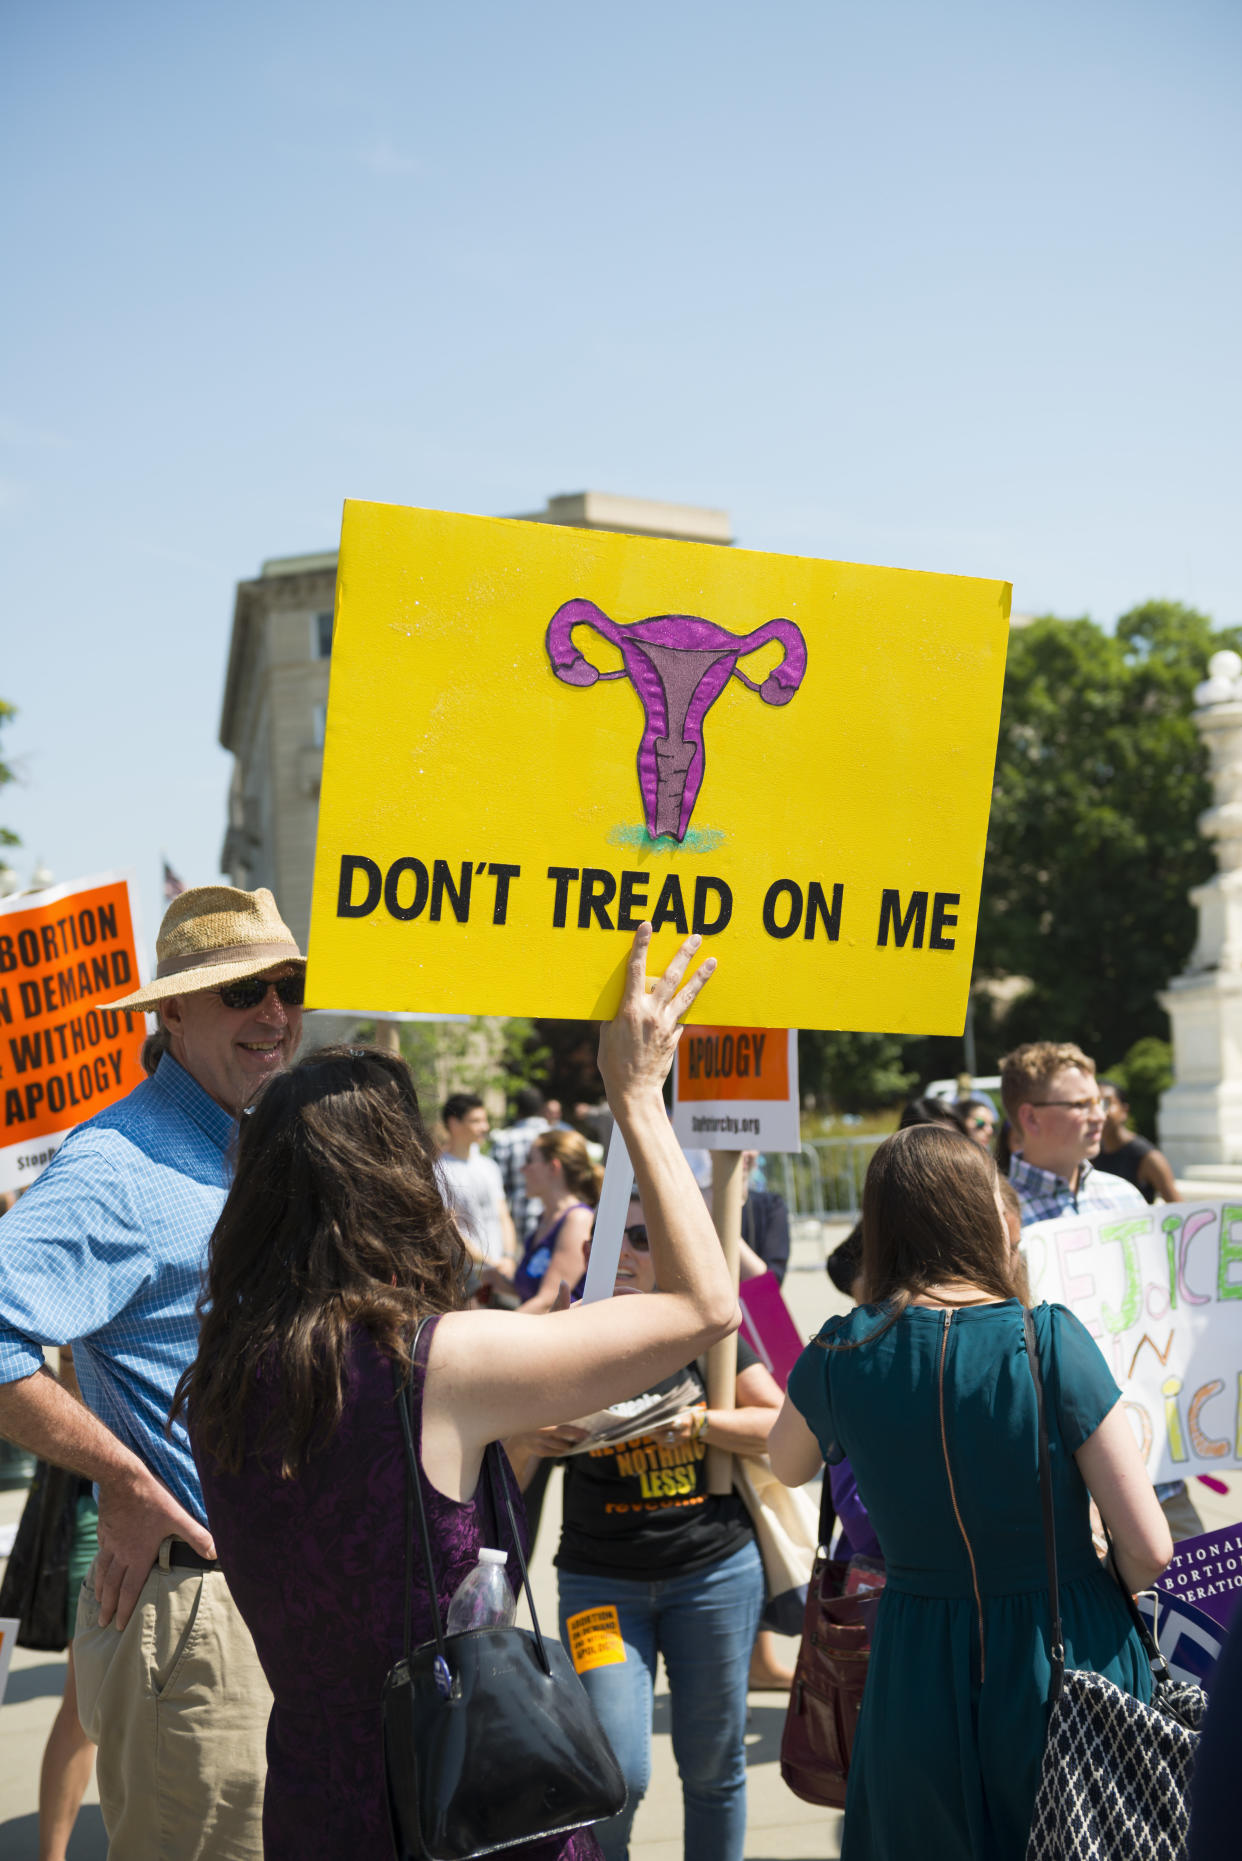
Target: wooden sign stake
722,1357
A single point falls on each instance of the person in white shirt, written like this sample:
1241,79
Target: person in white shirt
472,1183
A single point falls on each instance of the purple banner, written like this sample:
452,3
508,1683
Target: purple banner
1206,1572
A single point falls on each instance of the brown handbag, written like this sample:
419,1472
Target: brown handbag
826,1696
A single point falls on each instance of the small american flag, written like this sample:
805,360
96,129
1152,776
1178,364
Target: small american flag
174,885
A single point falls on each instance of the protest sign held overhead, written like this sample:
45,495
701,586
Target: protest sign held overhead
539,736
63,1057
1161,1293
736,1088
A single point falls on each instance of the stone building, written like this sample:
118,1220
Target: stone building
276,694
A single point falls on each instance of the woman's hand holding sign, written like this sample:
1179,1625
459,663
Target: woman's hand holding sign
636,1048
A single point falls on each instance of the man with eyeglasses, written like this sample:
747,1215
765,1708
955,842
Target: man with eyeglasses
106,1252
1056,1116
1056,1113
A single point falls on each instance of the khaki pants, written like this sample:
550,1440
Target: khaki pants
178,1705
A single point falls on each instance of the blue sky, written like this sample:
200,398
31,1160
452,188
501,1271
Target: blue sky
947,287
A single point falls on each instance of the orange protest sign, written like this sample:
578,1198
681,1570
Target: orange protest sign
737,1088
733,1063
63,953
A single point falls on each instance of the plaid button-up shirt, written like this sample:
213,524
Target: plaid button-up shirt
107,1251
1044,1195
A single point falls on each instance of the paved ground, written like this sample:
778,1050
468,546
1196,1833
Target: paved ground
779,1826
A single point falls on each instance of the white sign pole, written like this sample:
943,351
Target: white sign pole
614,1201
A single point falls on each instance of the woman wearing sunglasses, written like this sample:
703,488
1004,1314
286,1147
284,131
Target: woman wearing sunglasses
661,1566
334,1242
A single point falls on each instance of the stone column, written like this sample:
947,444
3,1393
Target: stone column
1200,1119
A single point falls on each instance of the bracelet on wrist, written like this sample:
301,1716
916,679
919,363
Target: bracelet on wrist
701,1427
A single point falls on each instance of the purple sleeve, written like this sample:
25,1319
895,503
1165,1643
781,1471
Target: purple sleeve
851,1511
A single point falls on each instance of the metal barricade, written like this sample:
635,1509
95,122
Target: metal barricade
823,1180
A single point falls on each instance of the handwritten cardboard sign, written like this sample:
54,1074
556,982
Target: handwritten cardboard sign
736,1088
62,1056
1161,1292
538,736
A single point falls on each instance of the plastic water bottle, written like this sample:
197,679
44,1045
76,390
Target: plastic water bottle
483,1599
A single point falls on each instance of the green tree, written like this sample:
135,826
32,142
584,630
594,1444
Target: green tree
7,712
1143,1075
852,1072
1092,845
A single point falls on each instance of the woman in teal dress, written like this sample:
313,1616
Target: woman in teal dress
926,1389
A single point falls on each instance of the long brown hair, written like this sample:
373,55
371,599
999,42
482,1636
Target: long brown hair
930,1218
583,1177
335,1219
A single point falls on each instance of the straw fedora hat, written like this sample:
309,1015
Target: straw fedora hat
211,935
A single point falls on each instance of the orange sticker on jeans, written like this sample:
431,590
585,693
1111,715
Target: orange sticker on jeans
595,1639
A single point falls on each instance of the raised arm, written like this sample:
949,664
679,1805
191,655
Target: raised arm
493,1374
1112,1467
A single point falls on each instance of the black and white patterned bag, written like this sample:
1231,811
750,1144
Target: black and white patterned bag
1115,1780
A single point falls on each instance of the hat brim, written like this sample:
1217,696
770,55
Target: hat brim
198,981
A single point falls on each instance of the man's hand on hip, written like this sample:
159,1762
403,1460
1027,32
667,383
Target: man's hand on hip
136,1514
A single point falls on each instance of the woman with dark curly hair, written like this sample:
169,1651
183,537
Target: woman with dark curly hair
333,1244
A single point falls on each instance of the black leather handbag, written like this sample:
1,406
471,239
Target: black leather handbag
489,1737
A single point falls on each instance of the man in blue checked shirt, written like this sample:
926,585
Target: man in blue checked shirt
1053,1104
106,1252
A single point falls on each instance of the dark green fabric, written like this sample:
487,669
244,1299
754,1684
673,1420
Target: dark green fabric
952,1731
81,1551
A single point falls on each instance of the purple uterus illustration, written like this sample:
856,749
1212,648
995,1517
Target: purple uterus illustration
679,665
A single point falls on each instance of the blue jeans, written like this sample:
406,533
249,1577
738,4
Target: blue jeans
704,1625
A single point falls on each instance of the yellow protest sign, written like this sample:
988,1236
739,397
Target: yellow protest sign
538,736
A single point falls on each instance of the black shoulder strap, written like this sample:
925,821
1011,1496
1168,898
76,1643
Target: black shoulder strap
1159,1666
494,1468
1057,1650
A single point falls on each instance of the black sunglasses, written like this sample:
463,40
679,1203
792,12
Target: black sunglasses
252,990
636,1237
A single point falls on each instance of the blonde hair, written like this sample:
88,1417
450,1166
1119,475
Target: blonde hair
583,1177
1028,1071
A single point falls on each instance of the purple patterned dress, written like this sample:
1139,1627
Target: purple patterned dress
316,1566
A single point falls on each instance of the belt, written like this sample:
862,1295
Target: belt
185,1557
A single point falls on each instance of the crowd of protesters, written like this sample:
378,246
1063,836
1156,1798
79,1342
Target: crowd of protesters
240,1291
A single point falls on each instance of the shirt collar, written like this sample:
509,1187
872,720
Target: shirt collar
173,1082
1026,1175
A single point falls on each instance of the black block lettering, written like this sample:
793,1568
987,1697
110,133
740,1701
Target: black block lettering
458,895
771,898
817,907
599,888
564,876
670,907
890,916
629,901
703,888
942,920
392,882
503,875
345,906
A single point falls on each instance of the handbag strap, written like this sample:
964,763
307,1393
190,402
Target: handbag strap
1057,1648
493,1465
